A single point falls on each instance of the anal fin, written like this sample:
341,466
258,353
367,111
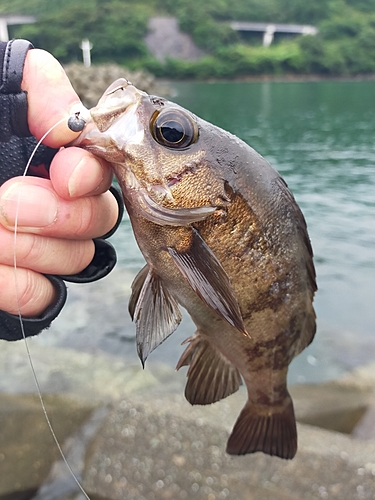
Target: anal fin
154,310
211,377
271,430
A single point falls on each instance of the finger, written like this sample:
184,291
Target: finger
31,292
75,172
44,254
36,207
50,97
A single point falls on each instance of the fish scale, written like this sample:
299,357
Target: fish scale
223,237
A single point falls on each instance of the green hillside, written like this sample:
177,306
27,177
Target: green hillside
345,44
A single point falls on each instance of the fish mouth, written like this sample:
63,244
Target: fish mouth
119,103
120,98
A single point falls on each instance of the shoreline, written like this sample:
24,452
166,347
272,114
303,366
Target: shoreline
284,78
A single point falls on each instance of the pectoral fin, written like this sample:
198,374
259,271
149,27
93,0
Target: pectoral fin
136,289
208,279
153,309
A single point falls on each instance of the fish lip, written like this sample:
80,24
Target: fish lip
119,103
91,139
119,97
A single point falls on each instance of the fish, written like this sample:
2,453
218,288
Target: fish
223,238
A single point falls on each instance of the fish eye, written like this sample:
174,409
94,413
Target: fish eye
173,128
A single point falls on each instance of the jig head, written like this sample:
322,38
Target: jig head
75,123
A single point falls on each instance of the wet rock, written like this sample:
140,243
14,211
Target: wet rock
93,378
27,448
95,317
63,481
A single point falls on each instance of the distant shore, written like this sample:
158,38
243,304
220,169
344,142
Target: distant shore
287,77
306,78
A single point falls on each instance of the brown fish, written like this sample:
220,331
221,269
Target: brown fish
223,237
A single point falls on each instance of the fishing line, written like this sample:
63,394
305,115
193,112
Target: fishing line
36,381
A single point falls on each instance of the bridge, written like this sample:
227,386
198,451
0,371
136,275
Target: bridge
8,20
269,29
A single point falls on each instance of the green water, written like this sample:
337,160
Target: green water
321,138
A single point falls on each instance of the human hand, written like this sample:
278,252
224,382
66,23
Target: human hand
57,217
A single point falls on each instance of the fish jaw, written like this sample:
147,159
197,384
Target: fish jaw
118,105
119,97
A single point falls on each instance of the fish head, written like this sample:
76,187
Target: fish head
160,152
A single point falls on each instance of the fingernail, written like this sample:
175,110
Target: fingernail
80,183
32,206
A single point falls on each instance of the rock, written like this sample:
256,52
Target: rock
60,482
154,445
162,448
165,40
332,405
365,427
88,377
91,82
27,448
361,378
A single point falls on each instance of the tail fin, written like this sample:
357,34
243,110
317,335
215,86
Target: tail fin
271,430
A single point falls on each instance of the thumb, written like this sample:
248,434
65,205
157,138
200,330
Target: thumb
50,97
